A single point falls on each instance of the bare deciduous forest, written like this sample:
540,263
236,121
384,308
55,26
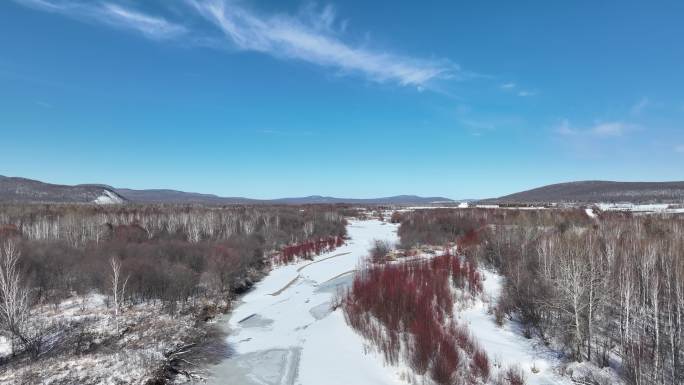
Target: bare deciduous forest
79,282
185,262
609,289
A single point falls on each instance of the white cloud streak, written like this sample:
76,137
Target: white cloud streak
679,149
639,107
512,87
313,40
601,130
311,36
153,27
150,26
525,93
609,129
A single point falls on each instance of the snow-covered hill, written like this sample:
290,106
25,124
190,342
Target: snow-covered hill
109,198
22,190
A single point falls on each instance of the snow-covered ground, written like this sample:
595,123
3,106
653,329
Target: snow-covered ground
506,345
649,208
108,198
85,348
5,346
284,331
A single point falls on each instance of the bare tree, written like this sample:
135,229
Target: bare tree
308,229
13,294
380,250
118,288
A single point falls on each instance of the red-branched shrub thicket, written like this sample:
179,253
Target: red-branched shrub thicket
406,310
307,249
469,239
480,363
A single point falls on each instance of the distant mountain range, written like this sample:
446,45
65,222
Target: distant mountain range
24,190
174,196
598,191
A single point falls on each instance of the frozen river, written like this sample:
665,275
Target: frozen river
284,332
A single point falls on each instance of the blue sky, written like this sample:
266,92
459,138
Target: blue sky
358,99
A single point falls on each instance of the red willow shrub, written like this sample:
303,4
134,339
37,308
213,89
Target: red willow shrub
480,364
9,231
307,249
470,238
406,310
515,376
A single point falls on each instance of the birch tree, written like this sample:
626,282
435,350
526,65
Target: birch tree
118,288
14,304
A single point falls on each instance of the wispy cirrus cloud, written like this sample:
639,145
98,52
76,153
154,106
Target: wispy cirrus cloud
151,26
525,93
311,39
599,129
679,148
610,129
115,15
640,106
313,36
598,140
512,87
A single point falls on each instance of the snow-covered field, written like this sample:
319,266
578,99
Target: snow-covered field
506,345
284,331
636,208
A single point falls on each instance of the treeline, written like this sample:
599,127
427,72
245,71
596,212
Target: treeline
406,311
441,226
81,224
609,291
308,249
172,254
